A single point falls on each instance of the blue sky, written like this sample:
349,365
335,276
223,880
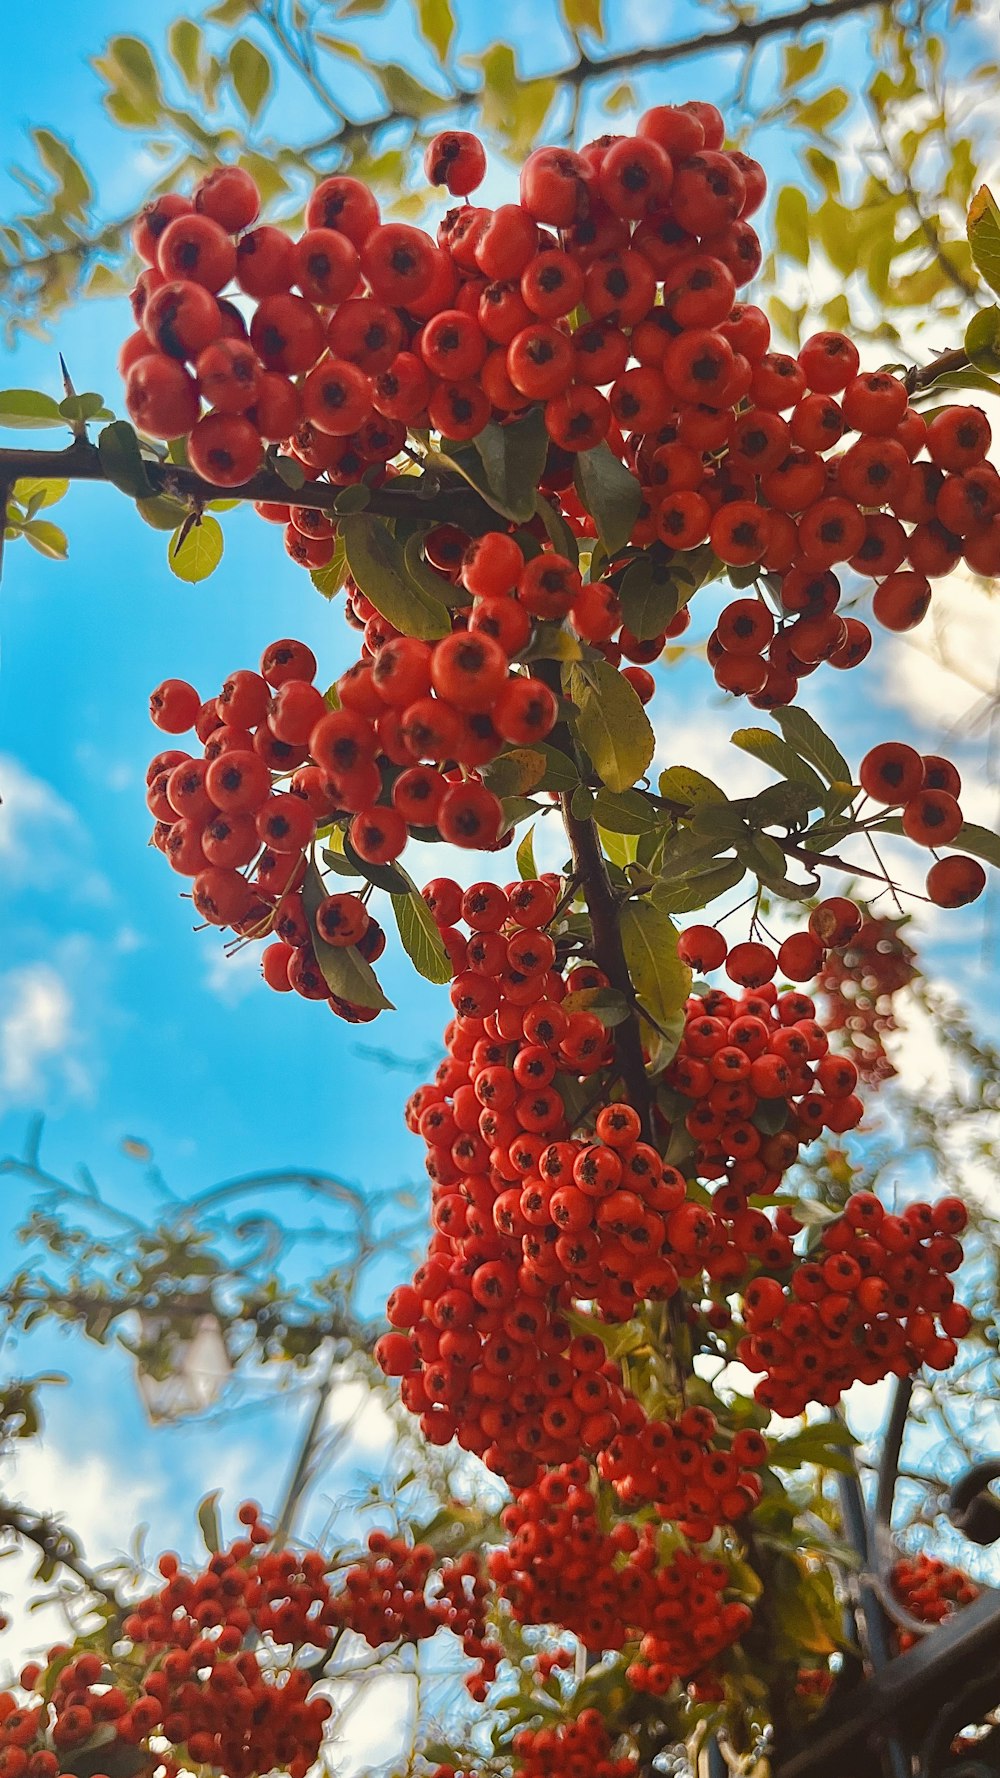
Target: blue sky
115,1019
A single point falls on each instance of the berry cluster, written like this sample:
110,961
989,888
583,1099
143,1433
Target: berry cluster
386,1599
612,1587
926,788
930,1589
199,1684
683,1468
874,1298
278,764
581,1747
752,1080
858,985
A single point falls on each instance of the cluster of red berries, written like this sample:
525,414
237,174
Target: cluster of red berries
579,1747
363,328
927,788
199,1684
392,1595
752,1080
683,1468
776,501
930,1590
278,764
610,1587
858,985
873,1298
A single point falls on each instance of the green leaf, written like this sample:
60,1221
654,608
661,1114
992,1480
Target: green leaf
980,841
184,41
122,461
583,15
199,554
34,493
983,229
250,73
609,1004
421,938
803,733
344,969
504,464
378,565
550,642
389,877
161,512
515,809
982,339
130,67
791,223
661,981
610,493
560,771
559,534
785,804
826,1442
611,722
330,579
28,410
626,811
801,60
437,25
772,751
524,857
514,772
47,538
650,596
208,1521
686,895
88,406
290,470
229,12
74,187
689,788
822,111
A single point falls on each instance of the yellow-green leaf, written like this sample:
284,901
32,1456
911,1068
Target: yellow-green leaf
801,60
31,491
584,15
690,788
47,538
984,235
420,935
200,552
661,981
28,409
791,223
437,25
982,339
250,73
611,722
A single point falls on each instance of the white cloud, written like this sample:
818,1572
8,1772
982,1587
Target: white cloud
231,977
42,839
37,1031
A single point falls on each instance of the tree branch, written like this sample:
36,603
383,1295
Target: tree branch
743,35
56,1545
428,494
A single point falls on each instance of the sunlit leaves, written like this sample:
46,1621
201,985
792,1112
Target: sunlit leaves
982,339
420,936
437,25
791,223
28,410
661,981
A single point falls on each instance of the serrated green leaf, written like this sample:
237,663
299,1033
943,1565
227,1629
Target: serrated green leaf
208,1521
983,228
611,722
661,981
804,734
689,788
24,410
200,552
344,969
524,857
251,75
378,564
420,936
777,753
610,492
122,461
